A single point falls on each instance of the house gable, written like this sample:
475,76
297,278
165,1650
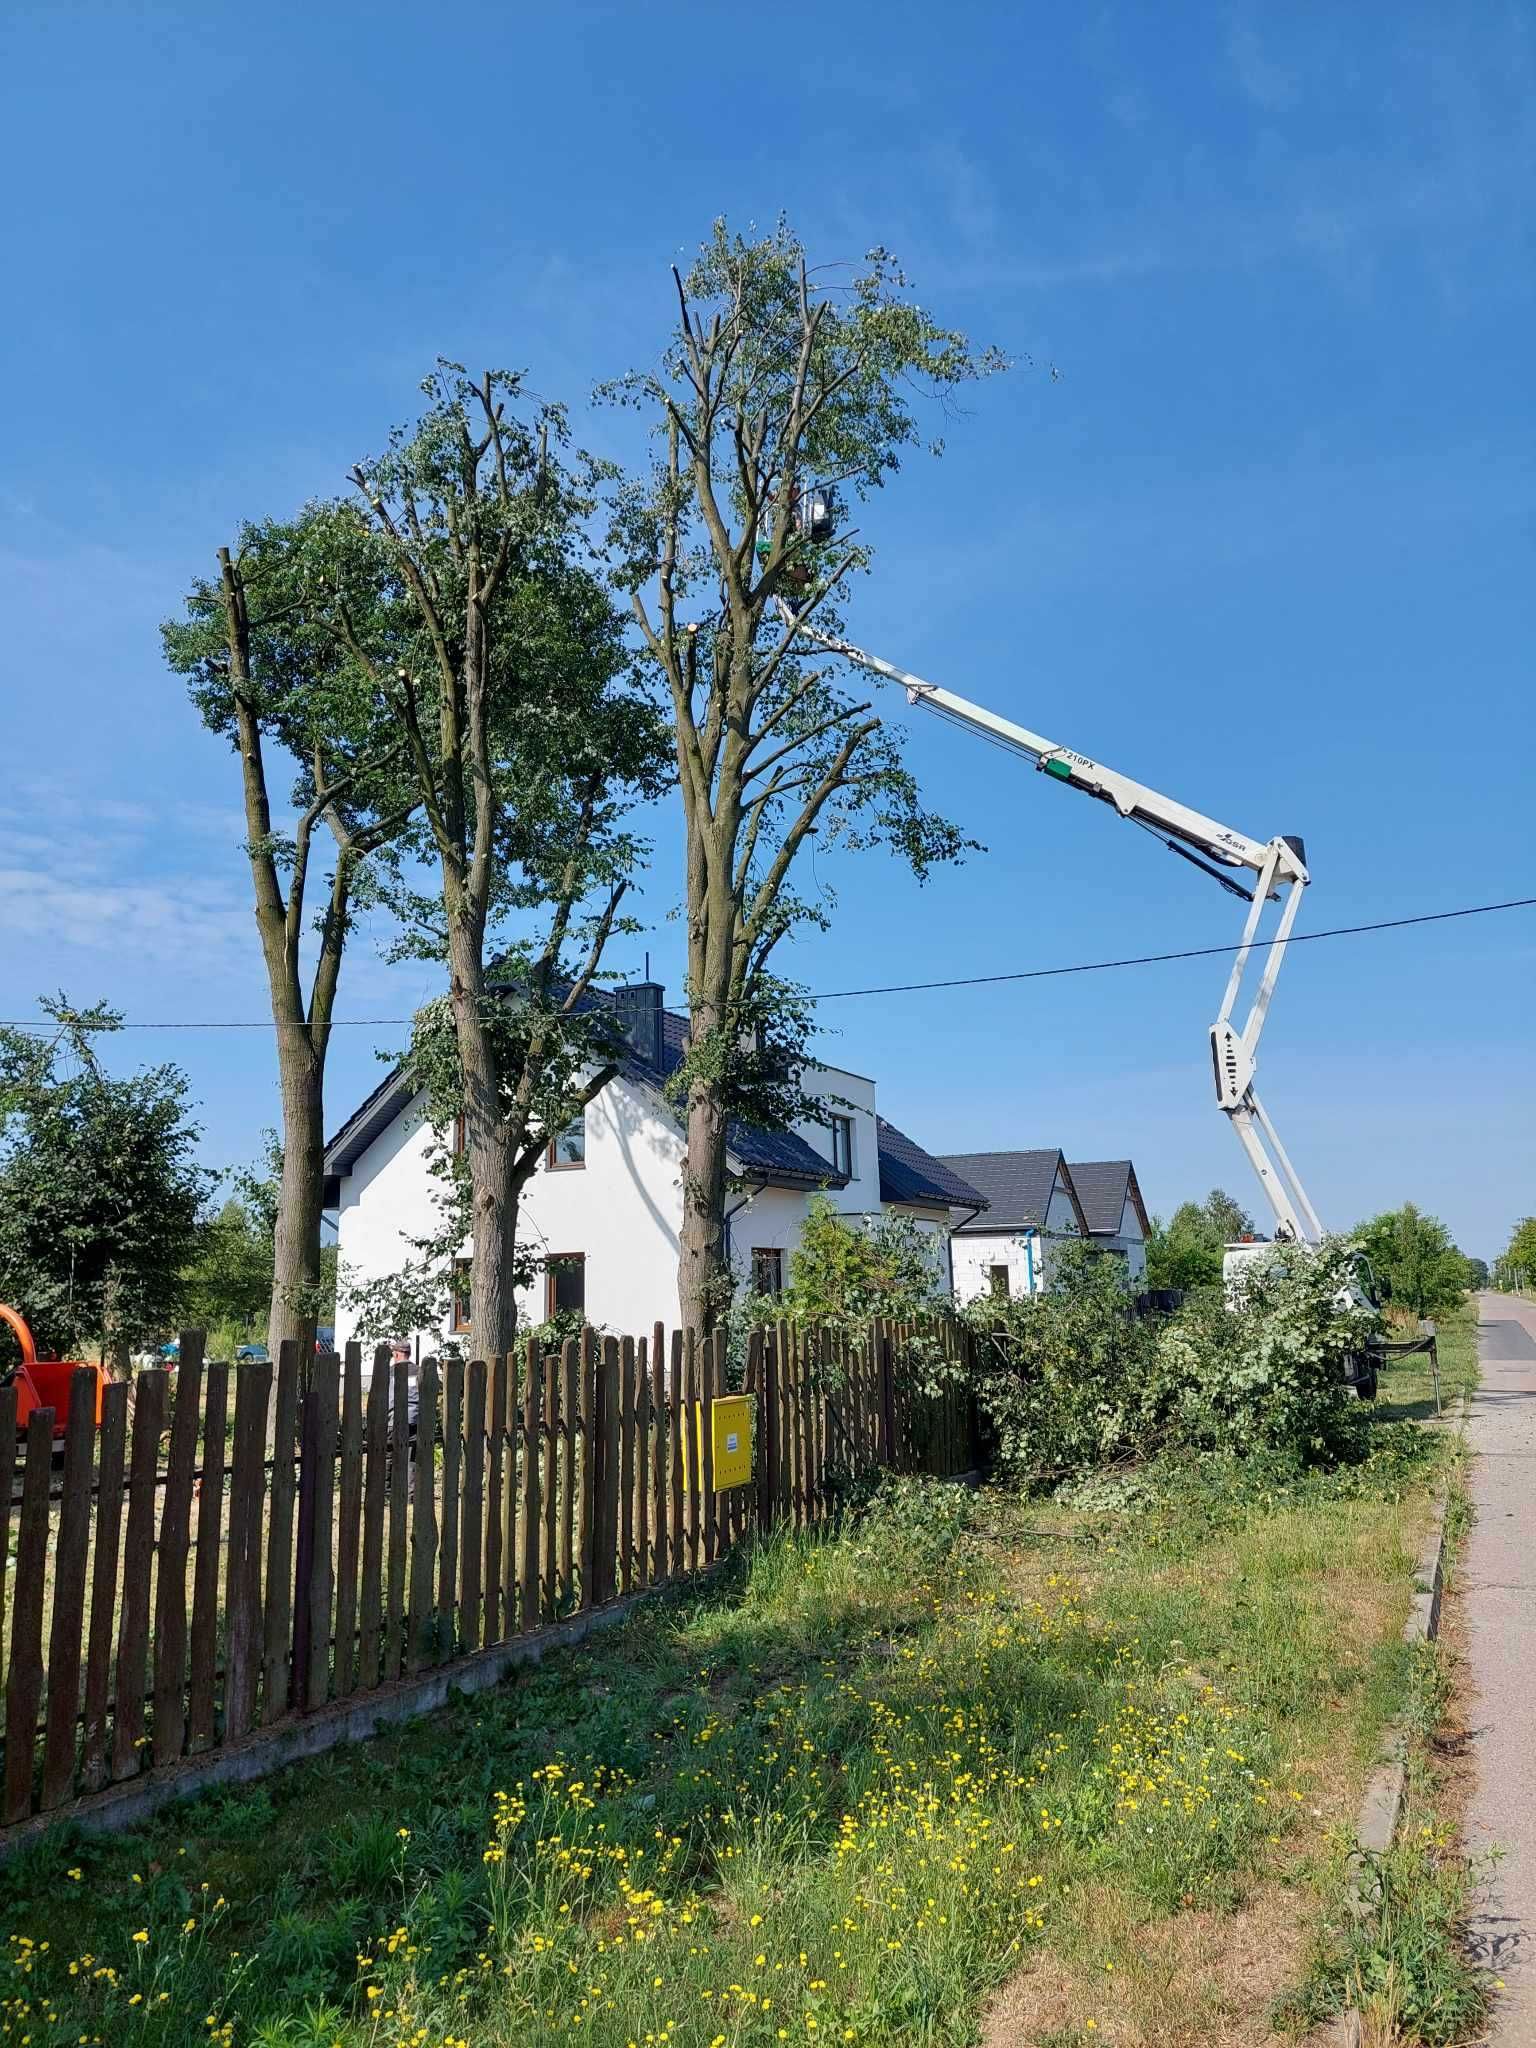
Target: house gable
1023,1190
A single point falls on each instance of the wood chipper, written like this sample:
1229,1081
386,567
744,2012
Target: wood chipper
43,1382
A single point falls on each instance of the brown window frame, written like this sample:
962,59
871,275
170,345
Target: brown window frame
459,1311
775,1254
554,1165
994,1274
551,1260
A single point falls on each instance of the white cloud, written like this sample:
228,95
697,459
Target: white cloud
190,925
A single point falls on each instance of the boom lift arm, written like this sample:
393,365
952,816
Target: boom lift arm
1277,866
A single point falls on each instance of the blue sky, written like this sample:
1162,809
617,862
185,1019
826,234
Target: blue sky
1264,542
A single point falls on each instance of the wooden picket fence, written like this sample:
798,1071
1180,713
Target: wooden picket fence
249,1543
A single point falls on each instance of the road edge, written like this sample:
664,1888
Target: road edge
1382,1803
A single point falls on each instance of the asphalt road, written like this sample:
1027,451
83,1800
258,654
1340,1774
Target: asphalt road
1498,1582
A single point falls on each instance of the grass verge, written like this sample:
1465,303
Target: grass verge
1394,1946
1089,1754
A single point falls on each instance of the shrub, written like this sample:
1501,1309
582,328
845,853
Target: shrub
1073,1380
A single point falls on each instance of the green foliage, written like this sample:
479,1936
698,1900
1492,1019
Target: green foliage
229,1283
846,1270
1072,1380
776,378
100,1200
315,596
1516,1264
1417,1267
529,744
1186,1252
501,655
753,1062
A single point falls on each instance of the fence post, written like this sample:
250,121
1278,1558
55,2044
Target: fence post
138,1564
277,1616
205,1572
887,1396
247,1495
304,1551
64,1642
94,1769
608,1398
170,1725
25,1686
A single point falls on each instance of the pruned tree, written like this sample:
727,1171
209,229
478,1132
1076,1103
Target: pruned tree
776,380
527,743
270,669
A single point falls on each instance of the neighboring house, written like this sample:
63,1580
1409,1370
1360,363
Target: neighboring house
1031,1207
1114,1211
604,1210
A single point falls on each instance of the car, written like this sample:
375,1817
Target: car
253,1354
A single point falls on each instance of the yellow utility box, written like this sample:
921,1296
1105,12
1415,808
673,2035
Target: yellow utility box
730,1428
731,1420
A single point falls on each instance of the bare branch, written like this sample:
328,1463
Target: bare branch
804,739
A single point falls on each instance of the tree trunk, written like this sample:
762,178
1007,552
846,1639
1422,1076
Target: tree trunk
296,1238
491,1154
703,1272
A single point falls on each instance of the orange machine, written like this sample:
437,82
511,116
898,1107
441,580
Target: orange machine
44,1382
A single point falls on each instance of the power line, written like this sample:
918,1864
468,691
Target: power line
896,988
1338,931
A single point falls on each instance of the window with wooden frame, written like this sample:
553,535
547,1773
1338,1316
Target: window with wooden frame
842,1145
568,1149
767,1269
565,1284
459,1311
997,1281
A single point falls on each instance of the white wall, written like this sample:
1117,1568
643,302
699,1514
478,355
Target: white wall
1026,1253
1129,1240
621,1211
853,1096
975,1255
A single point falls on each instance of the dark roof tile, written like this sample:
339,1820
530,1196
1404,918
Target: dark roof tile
1017,1186
780,1155
909,1174
1102,1187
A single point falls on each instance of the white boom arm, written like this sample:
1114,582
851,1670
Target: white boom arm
1280,874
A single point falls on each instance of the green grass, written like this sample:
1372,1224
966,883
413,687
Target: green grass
1407,1387
839,1798
1392,1945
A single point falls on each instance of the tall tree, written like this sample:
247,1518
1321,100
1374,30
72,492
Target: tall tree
775,380
527,744
269,668
1516,1264
1186,1252
1414,1259
100,1197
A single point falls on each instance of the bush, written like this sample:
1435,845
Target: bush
1073,1380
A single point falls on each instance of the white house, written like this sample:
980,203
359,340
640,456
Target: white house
1032,1206
604,1210
1114,1212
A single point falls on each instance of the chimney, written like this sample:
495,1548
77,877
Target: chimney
637,1006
